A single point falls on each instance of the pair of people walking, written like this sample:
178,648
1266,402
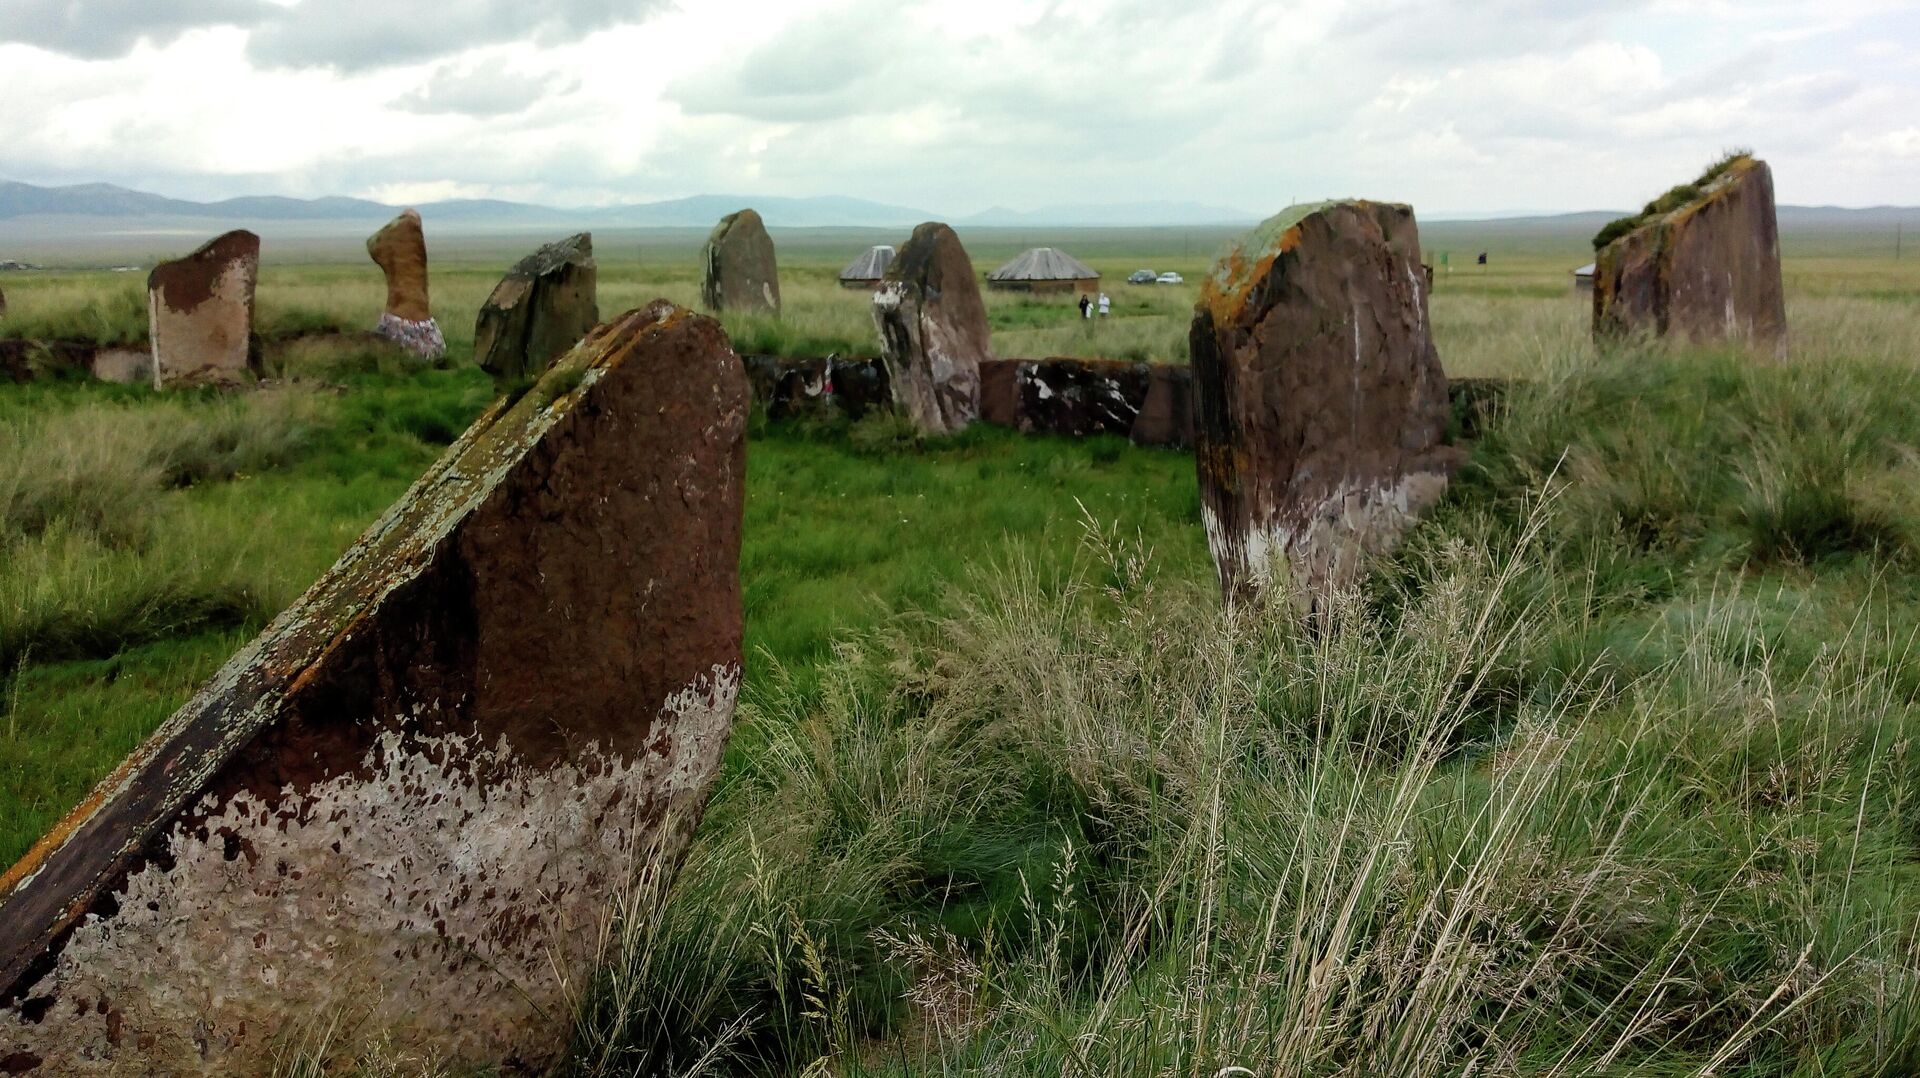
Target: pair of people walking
1086,306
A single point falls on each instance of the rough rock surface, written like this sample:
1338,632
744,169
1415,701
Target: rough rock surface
740,271
400,250
543,306
1706,272
1063,395
1166,413
200,311
823,387
407,805
1322,407
933,331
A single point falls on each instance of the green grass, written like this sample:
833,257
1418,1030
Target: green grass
1607,771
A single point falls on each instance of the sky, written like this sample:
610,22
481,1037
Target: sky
1457,106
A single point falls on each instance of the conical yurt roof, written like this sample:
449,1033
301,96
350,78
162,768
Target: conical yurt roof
870,266
1044,264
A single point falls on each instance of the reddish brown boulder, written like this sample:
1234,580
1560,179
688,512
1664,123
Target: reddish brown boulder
200,310
407,806
1000,391
1702,264
741,273
400,250
1166,413
1321,403
933,331
544,306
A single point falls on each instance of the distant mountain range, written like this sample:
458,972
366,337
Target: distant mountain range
102,200
700,211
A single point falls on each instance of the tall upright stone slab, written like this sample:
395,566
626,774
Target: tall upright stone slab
1701,264
200,312
543,306
740,271
1321,406
933,331
400,250
407,806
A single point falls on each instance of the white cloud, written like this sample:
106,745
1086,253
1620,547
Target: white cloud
1500,104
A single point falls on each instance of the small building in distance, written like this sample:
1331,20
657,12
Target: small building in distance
1045,269
1583,278
866,271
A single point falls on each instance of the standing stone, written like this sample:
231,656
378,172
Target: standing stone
1321,403
741,274
543,306
400,250
1702,264
933,331
200,312
409,804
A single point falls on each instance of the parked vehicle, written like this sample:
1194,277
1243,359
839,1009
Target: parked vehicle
1142,276
1171,278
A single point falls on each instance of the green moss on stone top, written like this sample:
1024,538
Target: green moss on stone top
1675,198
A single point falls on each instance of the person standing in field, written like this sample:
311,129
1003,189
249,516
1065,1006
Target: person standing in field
1086,306
1106,305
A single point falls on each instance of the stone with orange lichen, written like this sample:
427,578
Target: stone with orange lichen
416,793
1706,271
1321,407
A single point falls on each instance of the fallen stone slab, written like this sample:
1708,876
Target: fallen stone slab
1701,264
400,250
1321,406
933,331
741,273
407,806
200,313
543,306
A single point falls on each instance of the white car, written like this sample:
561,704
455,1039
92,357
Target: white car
1171,278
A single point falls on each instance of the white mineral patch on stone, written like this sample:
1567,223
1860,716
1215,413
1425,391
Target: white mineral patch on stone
433,897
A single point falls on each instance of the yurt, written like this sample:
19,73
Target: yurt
1045,269
866,271
1583,278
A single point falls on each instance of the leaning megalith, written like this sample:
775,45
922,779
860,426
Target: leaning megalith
933,331
543,306
1321,406
400,250
740,271
200,312
406,808
1701,263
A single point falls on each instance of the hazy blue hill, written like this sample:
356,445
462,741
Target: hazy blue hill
87,200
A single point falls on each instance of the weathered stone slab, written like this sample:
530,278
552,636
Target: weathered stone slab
1000,392
543,306
1706,270
200,312
400,250
408,803
741,273
933,331
1080,397
1166,414
23,360
123,365
1322,407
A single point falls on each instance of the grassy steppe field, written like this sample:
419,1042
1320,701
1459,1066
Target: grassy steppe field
1610,770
